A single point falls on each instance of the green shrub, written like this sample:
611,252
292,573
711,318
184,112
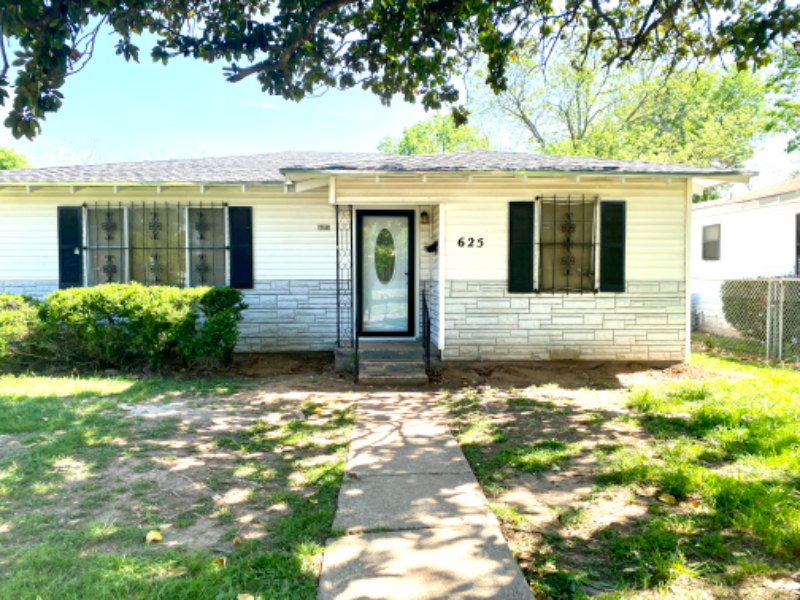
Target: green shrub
744,303
18,317
125,325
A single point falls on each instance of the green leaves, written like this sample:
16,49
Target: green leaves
407,47
440,133
118,325
577,106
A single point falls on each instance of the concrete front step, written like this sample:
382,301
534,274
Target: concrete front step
392,363
391,350
395,379
391,366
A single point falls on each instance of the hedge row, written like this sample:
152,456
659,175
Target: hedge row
122,325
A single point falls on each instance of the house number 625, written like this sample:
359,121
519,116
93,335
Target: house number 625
466,242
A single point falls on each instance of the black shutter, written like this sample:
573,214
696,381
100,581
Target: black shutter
70,246
240,219
520,247
612,246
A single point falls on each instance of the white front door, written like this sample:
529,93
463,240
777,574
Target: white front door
386,272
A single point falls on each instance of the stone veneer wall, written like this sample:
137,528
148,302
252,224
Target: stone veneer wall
36,289
484,322
289,315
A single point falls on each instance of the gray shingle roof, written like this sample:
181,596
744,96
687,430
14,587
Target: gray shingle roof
268,168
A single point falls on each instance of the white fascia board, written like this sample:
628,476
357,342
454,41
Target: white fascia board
306,185
121,188
719,177
332,190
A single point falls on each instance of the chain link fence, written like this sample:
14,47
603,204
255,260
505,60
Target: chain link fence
752,316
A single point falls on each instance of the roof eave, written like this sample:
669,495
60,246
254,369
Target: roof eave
722,177
135,184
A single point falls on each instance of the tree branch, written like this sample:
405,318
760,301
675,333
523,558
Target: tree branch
6,65
287,51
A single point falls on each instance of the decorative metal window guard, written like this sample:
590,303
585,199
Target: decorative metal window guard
110,231
574,237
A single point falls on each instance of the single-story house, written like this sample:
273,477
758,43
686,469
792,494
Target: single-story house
506,256
754,234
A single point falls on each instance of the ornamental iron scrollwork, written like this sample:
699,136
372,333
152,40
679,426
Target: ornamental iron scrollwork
567,243
109,226
156,268
568,227
201,226
568,261
345,290
155,225
109,269
202,269
155,244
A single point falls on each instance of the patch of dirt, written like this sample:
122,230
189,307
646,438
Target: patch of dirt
285,365
569,375
173,473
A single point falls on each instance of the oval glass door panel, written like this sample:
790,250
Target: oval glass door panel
385,274
384,256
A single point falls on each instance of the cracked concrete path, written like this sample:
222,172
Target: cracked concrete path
419,525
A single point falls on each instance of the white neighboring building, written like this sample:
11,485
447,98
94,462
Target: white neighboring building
751,235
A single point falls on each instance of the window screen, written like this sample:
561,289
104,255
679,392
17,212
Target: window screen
711,242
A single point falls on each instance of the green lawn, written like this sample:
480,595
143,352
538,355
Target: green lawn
703,475
83,480
733,445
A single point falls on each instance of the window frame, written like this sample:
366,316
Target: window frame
718,242
594,244
184,210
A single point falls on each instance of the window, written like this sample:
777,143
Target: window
567,241
711,242
155,244
575,236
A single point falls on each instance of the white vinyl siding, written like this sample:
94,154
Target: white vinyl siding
426,236
29,238
655,232
287,244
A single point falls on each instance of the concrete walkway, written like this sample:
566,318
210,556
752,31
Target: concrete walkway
425,530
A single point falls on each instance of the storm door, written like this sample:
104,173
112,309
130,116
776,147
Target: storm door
386,272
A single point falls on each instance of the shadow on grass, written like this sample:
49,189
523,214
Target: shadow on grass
727,452
45,555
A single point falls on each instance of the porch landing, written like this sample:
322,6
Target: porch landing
392,363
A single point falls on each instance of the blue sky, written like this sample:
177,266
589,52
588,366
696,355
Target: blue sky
118,111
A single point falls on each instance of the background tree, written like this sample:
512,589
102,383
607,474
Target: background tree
414,48
784,86
706,116
437,134
12,160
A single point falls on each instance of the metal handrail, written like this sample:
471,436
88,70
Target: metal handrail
426,330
